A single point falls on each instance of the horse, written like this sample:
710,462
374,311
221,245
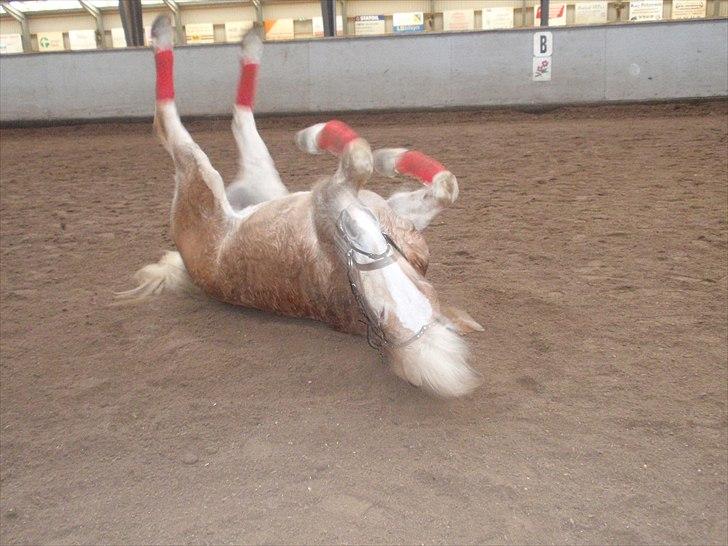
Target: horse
338,253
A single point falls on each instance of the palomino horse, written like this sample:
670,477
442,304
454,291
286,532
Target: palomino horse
337,253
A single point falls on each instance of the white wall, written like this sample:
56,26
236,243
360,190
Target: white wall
633,62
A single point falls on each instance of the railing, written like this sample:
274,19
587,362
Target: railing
96,24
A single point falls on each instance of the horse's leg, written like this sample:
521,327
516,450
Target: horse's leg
419,206
421,346
201,213
257,179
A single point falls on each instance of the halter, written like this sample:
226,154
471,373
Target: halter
376,337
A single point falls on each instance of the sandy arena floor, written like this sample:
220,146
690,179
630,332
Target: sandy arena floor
591,243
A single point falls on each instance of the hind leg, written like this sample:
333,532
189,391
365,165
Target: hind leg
201,212
419,206
257,179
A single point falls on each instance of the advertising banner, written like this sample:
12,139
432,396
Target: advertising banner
279,29
590,13
497,18
200,33
411,21
118,38
366,25
645,10
82,39
557,15
235,30
458,19
688,9
318,26
11,43
50,41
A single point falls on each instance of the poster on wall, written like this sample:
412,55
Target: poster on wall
688,9
11,43
645,10
458,19
497,18
118,38
279,29
235,30
590,13
557,15
50,41
318,26
411,21
200,33
82,39
367,25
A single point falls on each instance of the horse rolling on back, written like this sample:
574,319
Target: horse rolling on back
339,253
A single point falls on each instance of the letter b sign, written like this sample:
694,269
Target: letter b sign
543,44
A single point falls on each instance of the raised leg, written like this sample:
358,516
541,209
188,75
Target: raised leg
419,206
201,213
400,306
257,179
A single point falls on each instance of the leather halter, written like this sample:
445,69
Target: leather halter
376,337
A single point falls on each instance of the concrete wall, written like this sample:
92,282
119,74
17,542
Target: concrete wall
632,62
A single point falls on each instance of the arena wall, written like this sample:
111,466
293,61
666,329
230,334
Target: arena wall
633,62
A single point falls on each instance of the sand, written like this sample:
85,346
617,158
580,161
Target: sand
590,242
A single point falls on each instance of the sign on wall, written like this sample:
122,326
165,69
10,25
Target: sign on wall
557,15
82,39
11,43
366,25
200,33
50,41
318,26
590,13
458,19
645,10
235,30
411,21
543,48
118,38
279,29
497,18
688,9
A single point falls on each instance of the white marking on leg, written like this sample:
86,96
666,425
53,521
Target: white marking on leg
257,180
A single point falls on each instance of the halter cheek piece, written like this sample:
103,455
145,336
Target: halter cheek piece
376,337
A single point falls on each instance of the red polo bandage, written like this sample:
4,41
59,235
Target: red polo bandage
335,136
419,165
247,84
164,59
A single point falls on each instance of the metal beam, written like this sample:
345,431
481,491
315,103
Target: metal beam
131,19
20,17
179,31
344,18
544,13
96,14
258,5
328,14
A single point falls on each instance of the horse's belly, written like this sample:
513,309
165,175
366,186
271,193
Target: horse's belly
274,262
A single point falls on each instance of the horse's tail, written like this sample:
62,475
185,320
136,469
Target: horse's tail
167,275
